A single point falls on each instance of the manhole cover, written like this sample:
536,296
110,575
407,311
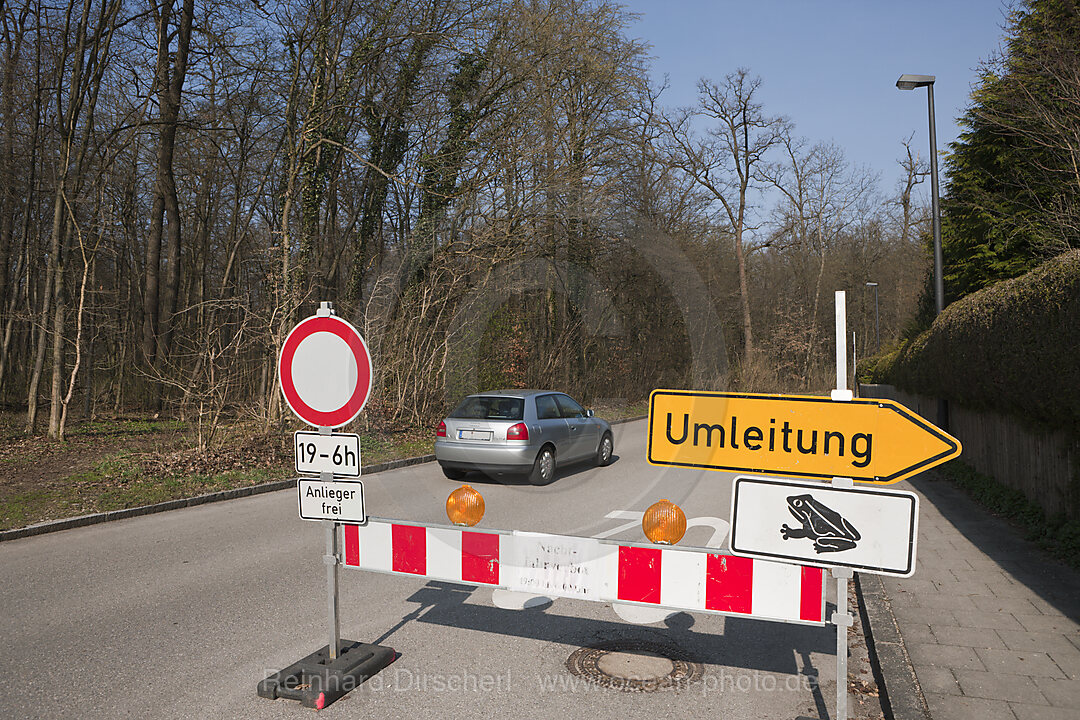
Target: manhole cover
634,666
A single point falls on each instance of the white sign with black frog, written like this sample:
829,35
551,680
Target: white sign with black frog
867,529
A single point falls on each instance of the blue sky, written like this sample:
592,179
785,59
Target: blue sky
831,65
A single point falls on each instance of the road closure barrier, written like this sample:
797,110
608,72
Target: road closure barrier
675,578
777,524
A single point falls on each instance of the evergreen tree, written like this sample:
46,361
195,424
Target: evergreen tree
1013,195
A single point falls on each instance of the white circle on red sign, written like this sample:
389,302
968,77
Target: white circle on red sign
325,371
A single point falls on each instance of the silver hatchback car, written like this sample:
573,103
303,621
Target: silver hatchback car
520,432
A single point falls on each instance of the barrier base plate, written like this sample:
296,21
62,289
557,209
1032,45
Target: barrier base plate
316,681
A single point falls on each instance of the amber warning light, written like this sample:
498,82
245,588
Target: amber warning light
465,506
664,523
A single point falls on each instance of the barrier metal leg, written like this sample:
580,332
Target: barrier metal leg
843,620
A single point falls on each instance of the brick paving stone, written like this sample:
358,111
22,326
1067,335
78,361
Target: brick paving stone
1014,605
971,576
911,585
1068,659
1019,662
925,569
1063,693
964,546
983,619
999,686
952,603
950,656
1041,712
1049,623
918,632
951,707
969,589
1014,590
983,565
1043,642
967,636
910,614
1046,608
934,679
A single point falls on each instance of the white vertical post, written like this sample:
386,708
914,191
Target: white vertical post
841,392
842,619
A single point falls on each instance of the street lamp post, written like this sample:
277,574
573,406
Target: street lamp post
910,82
877,318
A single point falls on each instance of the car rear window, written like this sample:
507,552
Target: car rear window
489,408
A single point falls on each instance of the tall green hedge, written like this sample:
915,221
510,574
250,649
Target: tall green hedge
1013,347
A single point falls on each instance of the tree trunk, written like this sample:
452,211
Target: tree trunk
159,297
170,120
51,274
57,358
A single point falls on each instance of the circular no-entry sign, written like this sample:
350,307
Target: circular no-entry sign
325,371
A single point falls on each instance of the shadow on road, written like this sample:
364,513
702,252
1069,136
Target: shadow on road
746,644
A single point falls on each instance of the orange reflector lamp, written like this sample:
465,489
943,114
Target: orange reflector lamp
465,506
664,523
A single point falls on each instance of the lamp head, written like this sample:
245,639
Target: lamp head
910,82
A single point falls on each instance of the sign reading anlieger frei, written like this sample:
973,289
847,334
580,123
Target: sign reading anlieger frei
868,529
340,500
873,441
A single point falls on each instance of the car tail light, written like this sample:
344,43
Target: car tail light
441,432
517,432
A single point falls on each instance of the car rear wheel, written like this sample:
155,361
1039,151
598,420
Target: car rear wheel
605,450
454,473
543,469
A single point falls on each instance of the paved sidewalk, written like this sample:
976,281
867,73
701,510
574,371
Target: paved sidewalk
989,621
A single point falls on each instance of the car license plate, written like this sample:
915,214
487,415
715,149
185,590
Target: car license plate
474,434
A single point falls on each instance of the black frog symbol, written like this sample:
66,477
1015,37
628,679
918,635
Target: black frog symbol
829,531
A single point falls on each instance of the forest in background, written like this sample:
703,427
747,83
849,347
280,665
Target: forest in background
492,191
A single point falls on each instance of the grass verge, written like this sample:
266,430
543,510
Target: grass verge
1058,536
125,463
116,483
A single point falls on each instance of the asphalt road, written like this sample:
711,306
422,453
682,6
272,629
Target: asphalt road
181,614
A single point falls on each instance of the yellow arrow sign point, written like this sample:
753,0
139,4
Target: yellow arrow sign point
874,441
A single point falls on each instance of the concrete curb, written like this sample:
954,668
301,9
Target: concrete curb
94,519
901,695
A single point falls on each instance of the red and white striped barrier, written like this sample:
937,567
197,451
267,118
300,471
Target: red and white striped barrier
676,578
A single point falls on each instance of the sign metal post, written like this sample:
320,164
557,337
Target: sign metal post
332,560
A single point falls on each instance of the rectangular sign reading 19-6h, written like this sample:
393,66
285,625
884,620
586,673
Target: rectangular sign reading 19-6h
868,440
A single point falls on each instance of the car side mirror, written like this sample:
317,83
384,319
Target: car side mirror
588,413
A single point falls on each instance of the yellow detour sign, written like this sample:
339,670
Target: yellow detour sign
873,441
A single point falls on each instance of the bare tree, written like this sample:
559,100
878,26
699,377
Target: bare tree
915,171
823,199
726,160
159,302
